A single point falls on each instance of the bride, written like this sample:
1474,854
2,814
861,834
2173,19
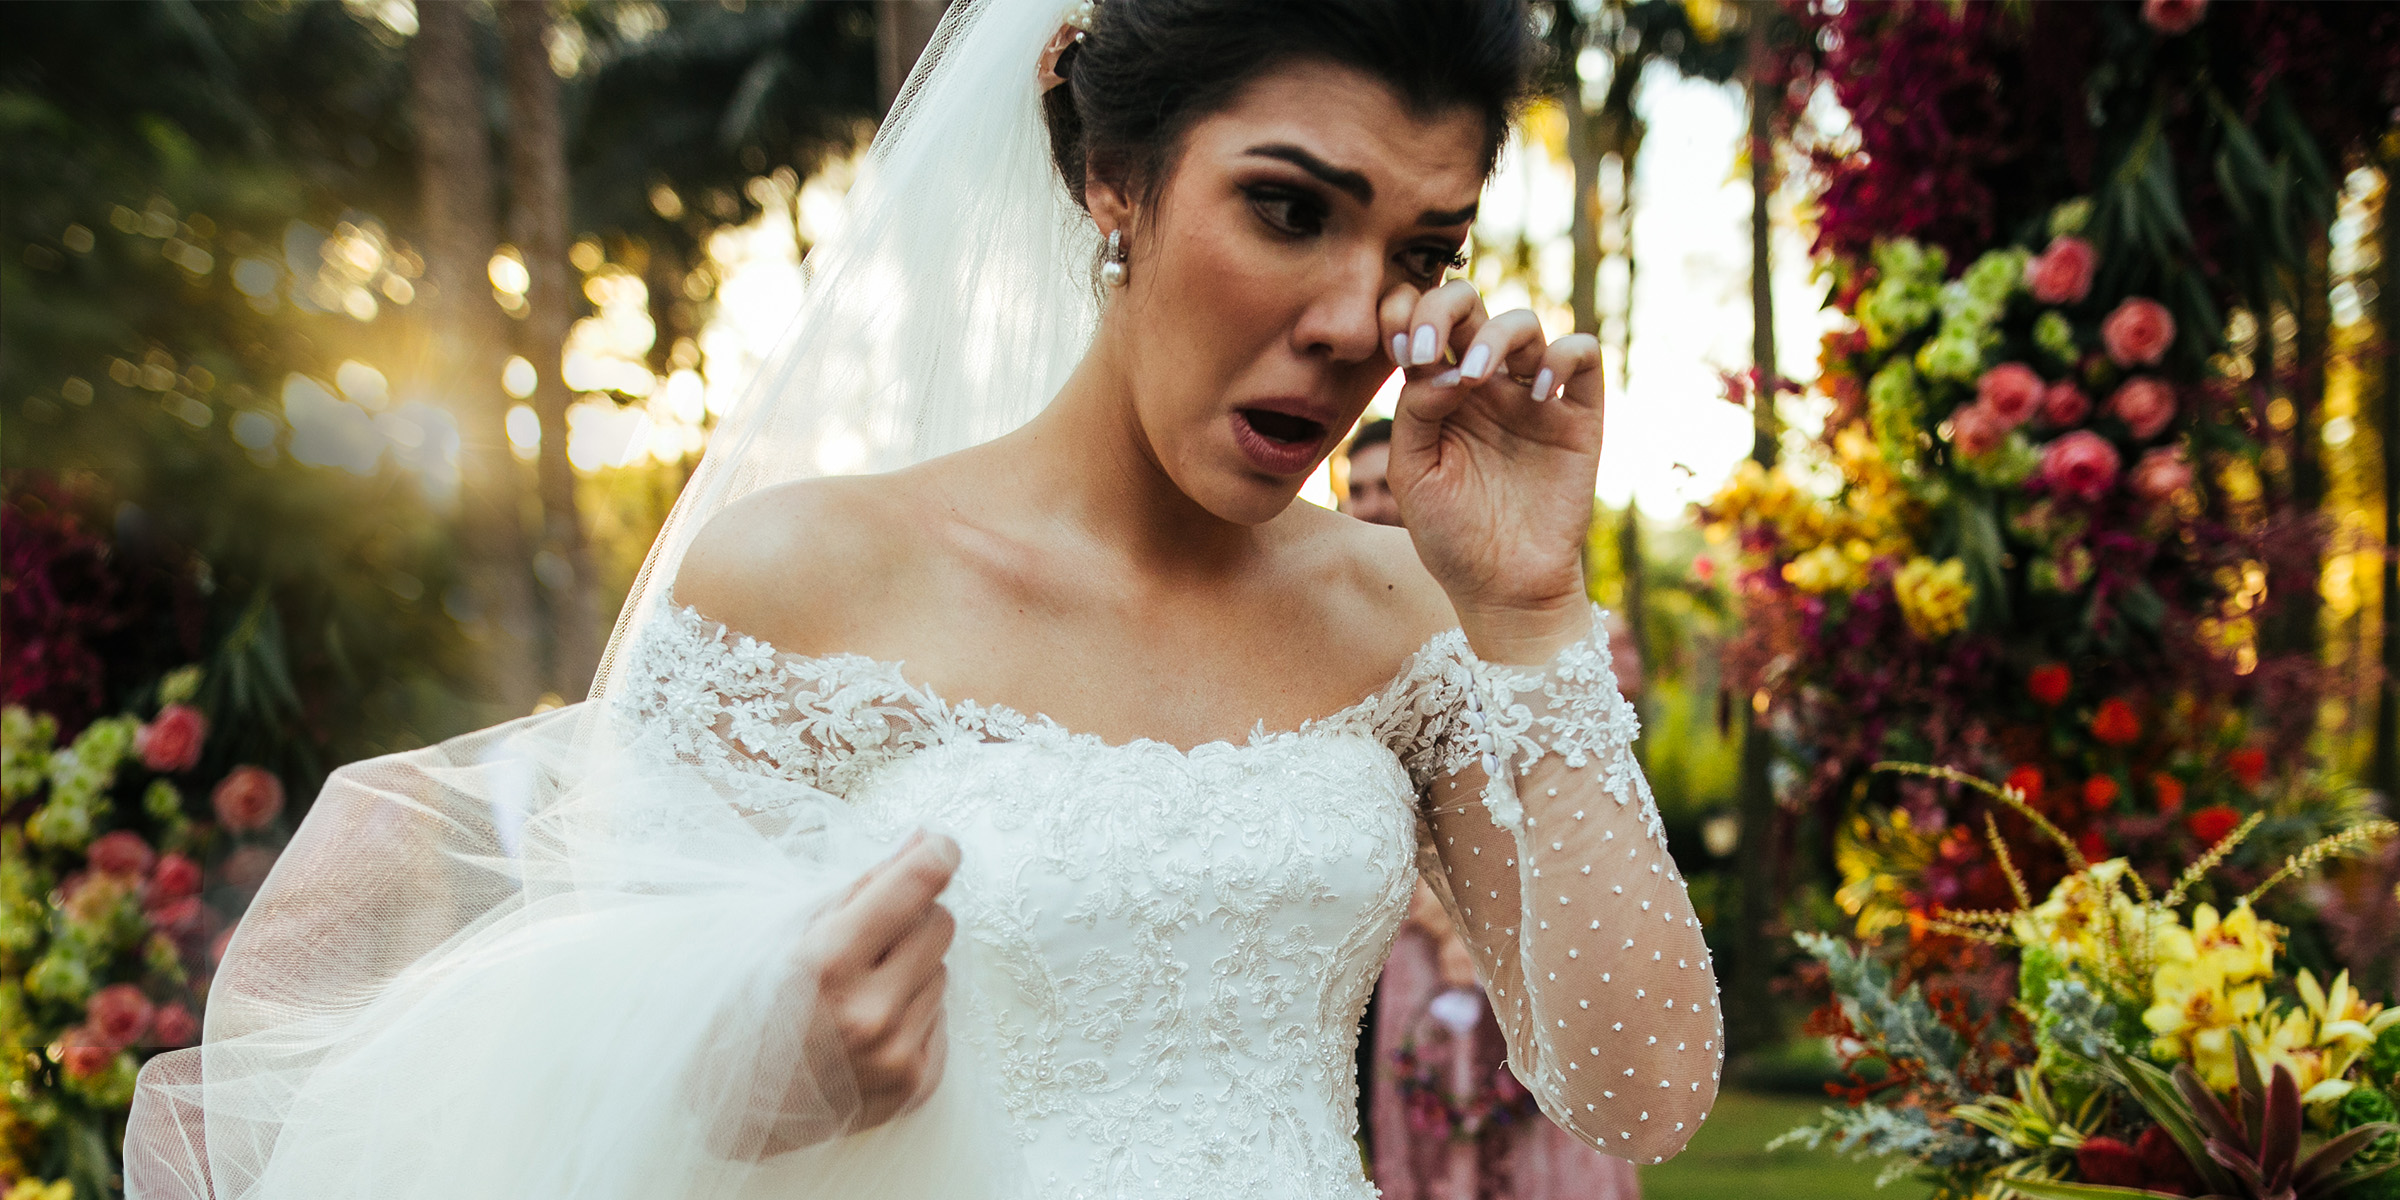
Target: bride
979,798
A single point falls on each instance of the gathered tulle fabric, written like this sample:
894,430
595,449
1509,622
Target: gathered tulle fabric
519,964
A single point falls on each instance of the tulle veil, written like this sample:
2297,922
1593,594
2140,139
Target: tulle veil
554,957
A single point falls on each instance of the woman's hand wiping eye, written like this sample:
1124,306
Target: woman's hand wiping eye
1495,448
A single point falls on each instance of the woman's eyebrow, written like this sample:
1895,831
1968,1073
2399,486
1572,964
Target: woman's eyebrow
1341,177
1353,182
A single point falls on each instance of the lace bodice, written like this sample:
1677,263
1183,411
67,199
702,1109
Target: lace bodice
1182,942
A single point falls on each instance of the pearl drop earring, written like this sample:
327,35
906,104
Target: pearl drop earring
1112,269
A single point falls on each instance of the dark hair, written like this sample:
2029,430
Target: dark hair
1377,432
1148,69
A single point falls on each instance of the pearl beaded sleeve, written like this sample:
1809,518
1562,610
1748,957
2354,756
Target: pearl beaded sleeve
1543,841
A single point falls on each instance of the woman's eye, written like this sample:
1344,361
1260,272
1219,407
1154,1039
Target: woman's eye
1294,213
1430,261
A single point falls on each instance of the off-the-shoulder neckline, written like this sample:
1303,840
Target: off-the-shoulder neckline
1446,644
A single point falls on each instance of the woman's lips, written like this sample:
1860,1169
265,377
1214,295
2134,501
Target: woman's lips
1278,443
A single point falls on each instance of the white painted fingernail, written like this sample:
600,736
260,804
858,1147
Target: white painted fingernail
1446,378
1478,358
1423,350
1542,380
1399,349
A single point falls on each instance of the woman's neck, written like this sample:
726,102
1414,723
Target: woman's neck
1086,460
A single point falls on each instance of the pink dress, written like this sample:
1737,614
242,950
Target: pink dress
1517,1154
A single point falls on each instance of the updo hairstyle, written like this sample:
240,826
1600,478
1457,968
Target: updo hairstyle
1148,69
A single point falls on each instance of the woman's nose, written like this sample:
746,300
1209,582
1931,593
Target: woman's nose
1340,322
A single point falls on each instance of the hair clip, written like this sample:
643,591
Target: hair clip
1073,24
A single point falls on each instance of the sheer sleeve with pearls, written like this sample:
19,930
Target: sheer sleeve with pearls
1540,835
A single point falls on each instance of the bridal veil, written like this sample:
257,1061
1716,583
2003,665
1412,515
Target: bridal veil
550,959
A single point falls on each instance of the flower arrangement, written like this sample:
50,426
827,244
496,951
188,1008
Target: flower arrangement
107,935
2136,1017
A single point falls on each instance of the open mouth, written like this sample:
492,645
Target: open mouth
1284,428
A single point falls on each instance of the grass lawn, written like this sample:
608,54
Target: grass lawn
1727,1159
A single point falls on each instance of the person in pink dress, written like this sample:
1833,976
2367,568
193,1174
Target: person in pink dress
1445,1119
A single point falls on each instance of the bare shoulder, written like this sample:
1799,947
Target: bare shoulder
791,563
1374,572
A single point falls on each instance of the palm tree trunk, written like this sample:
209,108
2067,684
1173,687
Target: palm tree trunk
2387,410
455,217
537,220
1750,1019
1583,151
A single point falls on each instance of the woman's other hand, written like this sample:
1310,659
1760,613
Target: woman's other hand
1495,448
877,958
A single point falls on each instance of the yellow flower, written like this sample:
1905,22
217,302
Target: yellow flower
2208,989
35,1189
1933,596
2320,1040
1823,569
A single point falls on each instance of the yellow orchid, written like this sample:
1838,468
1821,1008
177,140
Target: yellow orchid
2323,1037
35,1189
2074,922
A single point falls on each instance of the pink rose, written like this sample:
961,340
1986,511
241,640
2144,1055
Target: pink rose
2138,333
2062,274
2064,405
2145,404
82,1055
2011,392
2162,473
92,895
1975,430
2081,464
175,878
171,743
120,853
175,1026
119,1015
247,867
247,798
177,916
2173,16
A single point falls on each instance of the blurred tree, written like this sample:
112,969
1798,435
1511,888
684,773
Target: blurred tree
537,212
455,225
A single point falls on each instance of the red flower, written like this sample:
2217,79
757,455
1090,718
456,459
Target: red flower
247,798
177,915
2138,333
2248,764
2064,405
2163,1161
2092,845
2027,779
175,1026
2115,724
82,1055
175,878
1975,430
119,1015
2010,392
2211,824
2099,792
2160,474
2170,792
2171,17
172,742
2107,1161
2062,274
120,853
2145,403
2081,464
2050,683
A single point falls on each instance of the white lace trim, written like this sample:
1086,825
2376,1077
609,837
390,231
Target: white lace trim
1582,718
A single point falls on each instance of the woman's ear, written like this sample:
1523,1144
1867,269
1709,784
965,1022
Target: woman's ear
1107,201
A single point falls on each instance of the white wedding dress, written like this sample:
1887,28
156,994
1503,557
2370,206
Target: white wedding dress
1178,944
